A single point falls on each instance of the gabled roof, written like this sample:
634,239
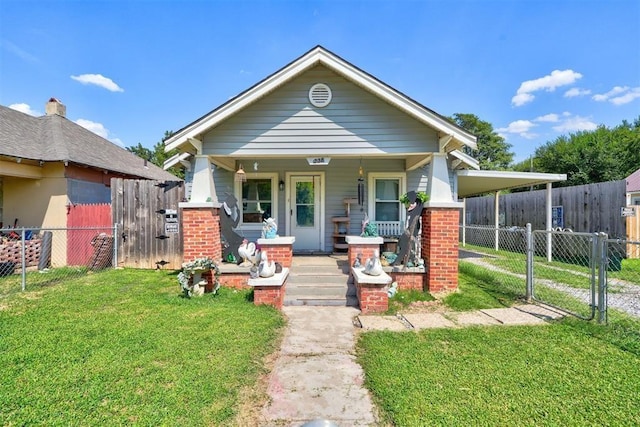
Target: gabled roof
633,181
319,55
53,138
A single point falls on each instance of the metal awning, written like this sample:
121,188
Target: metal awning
476,182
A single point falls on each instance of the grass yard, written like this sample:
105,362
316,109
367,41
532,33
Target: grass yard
571,372
123,347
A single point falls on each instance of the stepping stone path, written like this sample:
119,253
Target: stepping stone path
529,314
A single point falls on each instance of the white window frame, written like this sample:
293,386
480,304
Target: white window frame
274,198
372,177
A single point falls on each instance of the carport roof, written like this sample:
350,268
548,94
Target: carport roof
476,182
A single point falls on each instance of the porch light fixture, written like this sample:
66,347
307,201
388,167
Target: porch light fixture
281,185
240,176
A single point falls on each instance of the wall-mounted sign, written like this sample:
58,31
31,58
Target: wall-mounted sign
557,217
625,212
318,161
170,221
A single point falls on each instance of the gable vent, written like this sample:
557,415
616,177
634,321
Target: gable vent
320,95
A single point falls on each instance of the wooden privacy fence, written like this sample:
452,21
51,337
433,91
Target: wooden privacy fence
633,232
149,224
585,208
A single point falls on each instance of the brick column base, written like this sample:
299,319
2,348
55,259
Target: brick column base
269,295
279,249
440,248
372,298
201,232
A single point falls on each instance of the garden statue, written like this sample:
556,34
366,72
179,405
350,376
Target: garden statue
269,228
373,267
228,221
247,251
369,229
266,268
357,263
408,240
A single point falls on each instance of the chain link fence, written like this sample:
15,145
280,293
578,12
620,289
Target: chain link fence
37,257
584,274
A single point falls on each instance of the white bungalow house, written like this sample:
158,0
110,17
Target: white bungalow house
305,137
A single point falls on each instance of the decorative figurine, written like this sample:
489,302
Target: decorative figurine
247,251
373,267
269,228
357,263
266,268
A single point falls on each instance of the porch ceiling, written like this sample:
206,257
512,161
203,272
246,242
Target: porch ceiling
476,182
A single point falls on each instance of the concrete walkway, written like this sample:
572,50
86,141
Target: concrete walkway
316,376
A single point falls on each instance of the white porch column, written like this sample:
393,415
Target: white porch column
203,188
549,220
439,186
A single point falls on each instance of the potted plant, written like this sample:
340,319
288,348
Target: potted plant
191,275
420,195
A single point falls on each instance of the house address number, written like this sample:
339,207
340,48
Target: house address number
318,161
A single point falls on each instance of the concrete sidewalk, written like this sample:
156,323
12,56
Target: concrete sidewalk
316,376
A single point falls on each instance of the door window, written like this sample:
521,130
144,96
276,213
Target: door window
305,207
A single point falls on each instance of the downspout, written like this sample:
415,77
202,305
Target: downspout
549,220
496,221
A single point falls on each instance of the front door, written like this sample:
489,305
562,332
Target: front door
305,212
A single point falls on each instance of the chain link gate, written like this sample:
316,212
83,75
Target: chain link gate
622,275
567,270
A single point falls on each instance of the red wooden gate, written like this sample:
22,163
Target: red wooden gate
90,217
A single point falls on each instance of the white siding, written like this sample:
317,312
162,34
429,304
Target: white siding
284,123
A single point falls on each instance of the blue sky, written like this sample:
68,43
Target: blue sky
131,70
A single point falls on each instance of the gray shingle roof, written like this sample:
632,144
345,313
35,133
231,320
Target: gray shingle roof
55,138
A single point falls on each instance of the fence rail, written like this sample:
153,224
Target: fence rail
41,256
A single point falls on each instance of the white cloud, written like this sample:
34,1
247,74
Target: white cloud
575,91
627,97
99,129
25,108
118,142
617,90
519,127
549,83
98,80
575,124
551,118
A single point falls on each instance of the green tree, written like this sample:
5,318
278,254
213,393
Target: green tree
157,155
493,151
592,156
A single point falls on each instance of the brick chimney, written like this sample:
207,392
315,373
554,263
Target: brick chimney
54,106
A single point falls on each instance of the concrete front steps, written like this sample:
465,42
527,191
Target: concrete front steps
320,281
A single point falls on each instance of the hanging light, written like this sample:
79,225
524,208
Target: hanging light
240,176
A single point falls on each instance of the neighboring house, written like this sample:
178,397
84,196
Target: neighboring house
633,188
298,144
49,163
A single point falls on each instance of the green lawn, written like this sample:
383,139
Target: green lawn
570,372
123,347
